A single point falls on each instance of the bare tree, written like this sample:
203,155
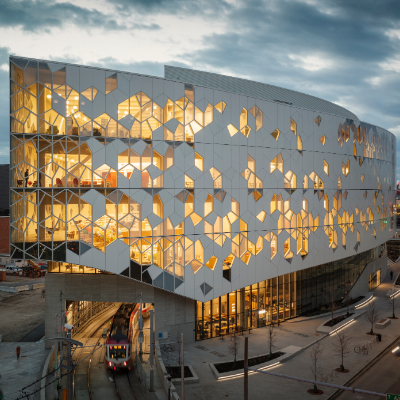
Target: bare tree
347,302
341,345
332,305
393,304
316,363
178,348
233,346
372,315
271,337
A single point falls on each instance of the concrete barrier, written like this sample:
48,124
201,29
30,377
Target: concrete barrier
47,367
383,323
8,289
22,288
38,286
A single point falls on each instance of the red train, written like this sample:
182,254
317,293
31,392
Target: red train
118,344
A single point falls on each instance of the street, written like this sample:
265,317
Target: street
383,377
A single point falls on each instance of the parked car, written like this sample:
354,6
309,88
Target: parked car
13,268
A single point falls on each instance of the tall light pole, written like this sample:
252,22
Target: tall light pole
151,353
141,328
69,365
182,370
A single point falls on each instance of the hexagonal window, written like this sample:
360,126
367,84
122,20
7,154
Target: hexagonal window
290,181
299,144
211,263
261,216
243,118
275,134
246,131
346,168
198,161
326,167
220,106
293,126
196,219
277,163
232,130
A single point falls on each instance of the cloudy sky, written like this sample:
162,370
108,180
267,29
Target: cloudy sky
344,51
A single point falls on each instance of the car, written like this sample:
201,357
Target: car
12,268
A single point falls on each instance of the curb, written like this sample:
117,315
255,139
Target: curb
329,330
363,370
368,297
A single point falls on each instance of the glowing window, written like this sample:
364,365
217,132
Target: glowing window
276,163
232,130
220,107
199,161
326,167
293,126
275,134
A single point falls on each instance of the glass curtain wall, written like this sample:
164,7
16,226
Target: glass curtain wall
287,296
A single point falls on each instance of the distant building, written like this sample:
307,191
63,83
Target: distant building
4,189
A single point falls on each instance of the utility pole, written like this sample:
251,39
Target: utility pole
182,370
141,328
56,354
151,353
246,371
61,328
69,364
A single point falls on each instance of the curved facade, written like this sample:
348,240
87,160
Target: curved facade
194,190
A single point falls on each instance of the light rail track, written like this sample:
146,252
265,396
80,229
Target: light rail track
84,352
123,386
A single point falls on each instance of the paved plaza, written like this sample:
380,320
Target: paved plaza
200,354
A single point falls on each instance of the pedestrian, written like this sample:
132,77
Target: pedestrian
18,352
391,275
1,395
26,177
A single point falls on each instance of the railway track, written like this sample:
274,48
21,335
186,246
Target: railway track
123,386
92,379
82,388
84,367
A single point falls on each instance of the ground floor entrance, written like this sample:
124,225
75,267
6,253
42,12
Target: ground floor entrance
306,292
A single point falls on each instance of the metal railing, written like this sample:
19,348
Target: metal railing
89,312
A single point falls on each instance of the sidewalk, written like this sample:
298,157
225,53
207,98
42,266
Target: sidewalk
200,354
17,374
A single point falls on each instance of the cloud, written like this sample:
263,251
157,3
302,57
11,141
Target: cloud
187,8
40,15
328,49
4,108
338,50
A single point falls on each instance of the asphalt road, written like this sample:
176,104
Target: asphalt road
383,377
